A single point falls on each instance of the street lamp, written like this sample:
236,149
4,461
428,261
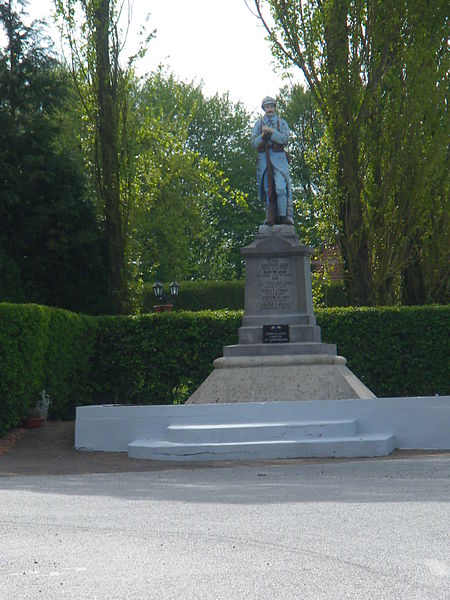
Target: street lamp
158,289
174,288
159,293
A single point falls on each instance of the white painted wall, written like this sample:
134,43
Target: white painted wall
416,422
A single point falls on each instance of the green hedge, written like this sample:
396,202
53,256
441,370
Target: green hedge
334,294
43,348
162,358
218,295
395,351
200,295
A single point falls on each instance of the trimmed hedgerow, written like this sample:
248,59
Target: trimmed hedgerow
395,351
200,295
159,358
43,348
219,295
162,358
69,361
23,341
334,294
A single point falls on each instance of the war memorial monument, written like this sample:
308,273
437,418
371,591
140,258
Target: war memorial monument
280,355
280,392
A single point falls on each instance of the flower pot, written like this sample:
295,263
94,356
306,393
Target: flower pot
33,422
162,308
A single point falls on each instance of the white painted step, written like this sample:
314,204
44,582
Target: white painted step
364,445
246,432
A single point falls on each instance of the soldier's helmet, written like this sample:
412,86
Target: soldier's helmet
268,100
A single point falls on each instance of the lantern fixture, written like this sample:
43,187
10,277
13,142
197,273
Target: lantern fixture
158,289
174,288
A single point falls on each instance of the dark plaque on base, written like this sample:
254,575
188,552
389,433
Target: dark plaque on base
275,334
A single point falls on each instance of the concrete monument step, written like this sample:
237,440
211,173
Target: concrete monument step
285,349
243,432
363,445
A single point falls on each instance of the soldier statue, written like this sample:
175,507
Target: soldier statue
270,136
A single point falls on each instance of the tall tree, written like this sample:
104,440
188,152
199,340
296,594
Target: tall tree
307,166
106,78
188,214
51,250
103,83
219,131
199,149
360,59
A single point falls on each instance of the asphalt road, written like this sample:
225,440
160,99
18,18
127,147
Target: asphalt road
356,529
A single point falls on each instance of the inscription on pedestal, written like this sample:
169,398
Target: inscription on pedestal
275,282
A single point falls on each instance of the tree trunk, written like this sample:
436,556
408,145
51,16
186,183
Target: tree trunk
110,177
413,283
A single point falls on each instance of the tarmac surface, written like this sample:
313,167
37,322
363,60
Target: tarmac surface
102,526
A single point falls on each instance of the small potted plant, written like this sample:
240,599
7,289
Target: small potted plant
33,419
43,403
37,415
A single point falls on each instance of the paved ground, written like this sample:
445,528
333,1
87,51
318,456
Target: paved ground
88,527
50,451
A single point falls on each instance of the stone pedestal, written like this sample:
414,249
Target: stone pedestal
278,295
280,355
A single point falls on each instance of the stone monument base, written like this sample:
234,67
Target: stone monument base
280,378
280,356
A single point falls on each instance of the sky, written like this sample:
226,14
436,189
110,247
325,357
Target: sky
217,42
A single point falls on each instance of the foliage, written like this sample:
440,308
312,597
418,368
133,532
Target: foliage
395,351
177,213
299,109
201,295
378,72
92,32
162,358
219,130
407,178
219,295
43,348
194,175
51,250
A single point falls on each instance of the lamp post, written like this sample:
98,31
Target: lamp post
159,293
174,288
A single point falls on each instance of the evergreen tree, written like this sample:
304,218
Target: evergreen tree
51,247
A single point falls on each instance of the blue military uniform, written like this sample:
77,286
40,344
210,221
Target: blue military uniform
279,162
